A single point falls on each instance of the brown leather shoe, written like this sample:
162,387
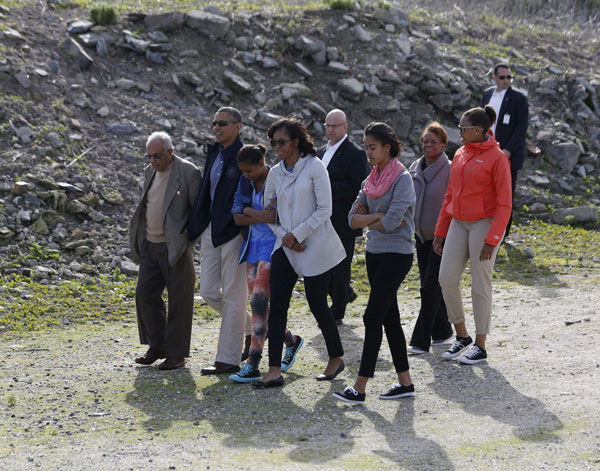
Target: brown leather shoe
246,352
220,368
172,363
150,357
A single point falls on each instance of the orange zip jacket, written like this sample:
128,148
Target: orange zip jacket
479,187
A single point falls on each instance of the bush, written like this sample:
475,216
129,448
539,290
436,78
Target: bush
103,15
341,4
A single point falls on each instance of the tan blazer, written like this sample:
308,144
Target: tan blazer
182,187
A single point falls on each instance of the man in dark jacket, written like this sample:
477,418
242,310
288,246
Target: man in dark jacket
348,167
222,279
512,119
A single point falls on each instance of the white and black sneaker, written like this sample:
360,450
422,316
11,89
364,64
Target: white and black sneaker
474,355
398,390
350,395
458,347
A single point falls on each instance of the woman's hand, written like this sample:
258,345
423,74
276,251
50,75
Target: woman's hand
289,240
360,209
438,245
272,204
486,252
298,247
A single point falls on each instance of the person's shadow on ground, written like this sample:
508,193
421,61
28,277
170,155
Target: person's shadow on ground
484,391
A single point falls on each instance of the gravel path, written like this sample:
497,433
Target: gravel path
73,399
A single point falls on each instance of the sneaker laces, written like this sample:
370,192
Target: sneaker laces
245,371
289,353
475,350
351,390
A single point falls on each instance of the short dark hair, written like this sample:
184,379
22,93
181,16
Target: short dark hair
233,112
482,117
251,154
296,130
384,133
500,65
437,129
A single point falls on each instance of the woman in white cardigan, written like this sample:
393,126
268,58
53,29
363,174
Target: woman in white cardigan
307,245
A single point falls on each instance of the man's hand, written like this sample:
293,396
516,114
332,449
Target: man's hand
438,245
289,240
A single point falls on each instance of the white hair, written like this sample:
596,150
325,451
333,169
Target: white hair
163,137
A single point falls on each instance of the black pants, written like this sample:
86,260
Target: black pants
513,177
433,318
385,271
283,279
339,285
167,333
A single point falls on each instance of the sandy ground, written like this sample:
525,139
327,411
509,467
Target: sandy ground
73,399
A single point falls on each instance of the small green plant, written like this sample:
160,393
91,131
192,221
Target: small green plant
103,15
118,275
383,5
11,401
341,4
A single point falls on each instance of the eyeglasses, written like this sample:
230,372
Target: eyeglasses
222,123
156,156
462,129
333,125
504,77
279,142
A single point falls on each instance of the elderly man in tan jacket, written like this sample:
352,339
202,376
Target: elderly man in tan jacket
160,244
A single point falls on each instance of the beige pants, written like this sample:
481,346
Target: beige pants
464,242
223,287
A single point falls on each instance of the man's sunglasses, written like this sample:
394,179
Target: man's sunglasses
279,142
222,123
504,77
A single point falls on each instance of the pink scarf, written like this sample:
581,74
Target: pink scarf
379,183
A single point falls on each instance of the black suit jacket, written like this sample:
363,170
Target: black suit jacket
347,170
511,136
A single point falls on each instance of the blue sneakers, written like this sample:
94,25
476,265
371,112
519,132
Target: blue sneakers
247,374
290,354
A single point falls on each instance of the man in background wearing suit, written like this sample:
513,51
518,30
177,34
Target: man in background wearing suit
512,119
159,243
348,167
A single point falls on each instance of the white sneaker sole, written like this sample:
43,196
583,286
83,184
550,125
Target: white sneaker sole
450,356
346,400
467,361
398,396
415,350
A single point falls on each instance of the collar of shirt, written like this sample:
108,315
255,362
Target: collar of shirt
331,150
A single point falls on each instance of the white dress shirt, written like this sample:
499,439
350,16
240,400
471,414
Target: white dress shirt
331,150
496,103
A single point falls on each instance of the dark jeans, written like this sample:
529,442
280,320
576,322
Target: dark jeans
283,279
385,271
433,319
339,285
513,177
170,333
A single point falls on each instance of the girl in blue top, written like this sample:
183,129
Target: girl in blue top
259,240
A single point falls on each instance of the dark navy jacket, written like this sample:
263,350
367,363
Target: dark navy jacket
223,229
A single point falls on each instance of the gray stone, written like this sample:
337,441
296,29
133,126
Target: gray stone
269,63
75,266
13,34
164,123
540,180
103,112
102,48
287,93
40,227
79,26
537,207
332,53
563,155
309,45
40,72
403,125
528,252
259,42
300,67
433,87
241,43
443,102
208,24
23,79
112,196
361,34
54,140
403,44
156,57
392,105
96,216
77,207
82,250
337,67
170,21
75,51
137,45
299,87
128,267
580,213
144,86
390,29
25,134
53,66
24,216
122,129
125,84
316,108
89,39
351,88
554,70
159,36
6,234
237,83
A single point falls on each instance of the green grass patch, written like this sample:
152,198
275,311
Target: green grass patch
103,15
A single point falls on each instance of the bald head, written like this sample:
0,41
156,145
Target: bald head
335,126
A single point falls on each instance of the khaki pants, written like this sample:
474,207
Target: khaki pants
464,242
223,287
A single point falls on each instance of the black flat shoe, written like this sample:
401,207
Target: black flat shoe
340,368
272,383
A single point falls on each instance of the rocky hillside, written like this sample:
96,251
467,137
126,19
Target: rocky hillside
77,101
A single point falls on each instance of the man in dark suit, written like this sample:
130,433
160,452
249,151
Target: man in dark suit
160,245
222,279
510,128
348,167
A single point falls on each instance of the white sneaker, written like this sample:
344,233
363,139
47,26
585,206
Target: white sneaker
415,350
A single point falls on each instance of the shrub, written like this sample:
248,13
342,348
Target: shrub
103,15
341,4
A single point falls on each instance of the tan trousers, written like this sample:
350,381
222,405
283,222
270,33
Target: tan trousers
464,242
223,287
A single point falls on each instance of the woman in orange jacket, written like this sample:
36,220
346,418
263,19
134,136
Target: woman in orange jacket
470,226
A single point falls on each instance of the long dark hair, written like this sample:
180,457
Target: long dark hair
384,133
296,130
482,117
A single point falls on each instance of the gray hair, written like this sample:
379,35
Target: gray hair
233,112
162,137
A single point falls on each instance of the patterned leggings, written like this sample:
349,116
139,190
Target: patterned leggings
258,288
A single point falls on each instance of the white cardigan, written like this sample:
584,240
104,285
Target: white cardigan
304,208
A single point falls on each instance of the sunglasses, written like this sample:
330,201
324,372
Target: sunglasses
462,129
279,142
504,77
156,156
222,123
